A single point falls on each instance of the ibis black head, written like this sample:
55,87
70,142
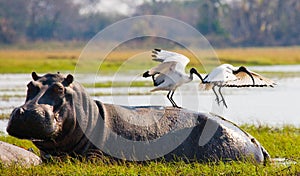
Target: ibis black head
146,74
194,71
244,69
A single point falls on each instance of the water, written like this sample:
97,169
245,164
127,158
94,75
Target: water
276,68
3,124
272,106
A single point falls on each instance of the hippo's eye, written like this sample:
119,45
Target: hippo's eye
58,89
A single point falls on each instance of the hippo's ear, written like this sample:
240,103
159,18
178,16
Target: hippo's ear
68,80
34,76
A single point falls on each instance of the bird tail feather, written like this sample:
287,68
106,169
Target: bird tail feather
153,90
205,86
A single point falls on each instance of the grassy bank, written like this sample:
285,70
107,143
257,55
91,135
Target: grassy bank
280,142
65,57
4,116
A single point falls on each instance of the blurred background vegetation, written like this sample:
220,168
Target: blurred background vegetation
225,23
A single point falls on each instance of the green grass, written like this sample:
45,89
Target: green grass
19,61
4,116
260,56
280,142
26,144
63,57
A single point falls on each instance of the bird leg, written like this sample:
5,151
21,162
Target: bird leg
217,97
173,100
223,100
170,97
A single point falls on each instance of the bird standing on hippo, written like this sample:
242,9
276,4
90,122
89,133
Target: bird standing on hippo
170,74
60,118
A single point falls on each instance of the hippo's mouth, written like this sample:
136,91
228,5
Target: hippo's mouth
34,125
51,134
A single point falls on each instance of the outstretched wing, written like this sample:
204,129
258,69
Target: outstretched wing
171,63
164,68
244,80
168,56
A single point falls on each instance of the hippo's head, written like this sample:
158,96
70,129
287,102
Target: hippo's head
42,115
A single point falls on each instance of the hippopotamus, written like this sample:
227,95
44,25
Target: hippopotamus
60,118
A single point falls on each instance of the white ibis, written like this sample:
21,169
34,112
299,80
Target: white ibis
170,74
227,75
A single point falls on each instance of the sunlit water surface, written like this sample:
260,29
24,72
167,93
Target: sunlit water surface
272,106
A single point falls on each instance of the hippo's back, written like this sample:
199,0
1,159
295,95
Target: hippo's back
151,132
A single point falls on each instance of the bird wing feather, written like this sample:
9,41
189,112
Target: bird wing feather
205,86
162,71
220,74
244,80
170,69
168,56
167,81
164,68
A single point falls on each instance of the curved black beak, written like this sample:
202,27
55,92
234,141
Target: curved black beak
193,70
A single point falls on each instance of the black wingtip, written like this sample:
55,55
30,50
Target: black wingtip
157,49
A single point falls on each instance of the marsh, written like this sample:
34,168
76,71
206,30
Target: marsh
270,106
